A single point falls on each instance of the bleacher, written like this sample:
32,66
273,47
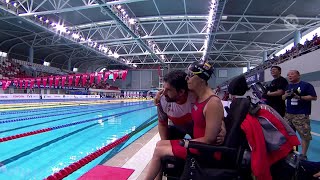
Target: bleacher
294,52
42,68
10,70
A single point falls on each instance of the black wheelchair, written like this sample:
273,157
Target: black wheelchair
235,152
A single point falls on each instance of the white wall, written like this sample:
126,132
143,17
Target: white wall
309,67
231,72
304,64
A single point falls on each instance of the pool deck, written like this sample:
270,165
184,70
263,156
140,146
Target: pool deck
137,155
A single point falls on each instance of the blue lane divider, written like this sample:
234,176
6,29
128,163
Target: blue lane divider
46,109
49,109
52,115
68,109
84,121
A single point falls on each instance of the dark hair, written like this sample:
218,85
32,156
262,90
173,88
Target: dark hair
277,67
177,79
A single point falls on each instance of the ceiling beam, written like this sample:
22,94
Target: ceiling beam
108,10
191,52
71,41
78,8
189,62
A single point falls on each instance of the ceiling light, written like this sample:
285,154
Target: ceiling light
210,24
131,21
75,36
116,55
61,28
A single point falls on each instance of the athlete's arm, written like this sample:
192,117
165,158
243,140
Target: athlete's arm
162,123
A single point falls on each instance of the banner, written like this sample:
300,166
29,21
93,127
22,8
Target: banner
38,82
257,77
31,83
63,81
99,78
50,81
16,82
115,75
44,81
77,80
56,81
26,83
106,75
20,83
84,79
124,74
70,79
92,78
19,96
5,84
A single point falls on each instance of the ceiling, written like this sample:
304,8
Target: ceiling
164,32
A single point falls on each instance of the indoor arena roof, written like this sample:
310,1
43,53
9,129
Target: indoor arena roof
149,33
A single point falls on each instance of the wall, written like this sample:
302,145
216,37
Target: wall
145,79
309,67
138,79
231,72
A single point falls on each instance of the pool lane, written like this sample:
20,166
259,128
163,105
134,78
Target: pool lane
70,143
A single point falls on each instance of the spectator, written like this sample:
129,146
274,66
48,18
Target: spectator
275,91
299,95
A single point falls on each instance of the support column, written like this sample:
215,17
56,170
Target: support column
248,66
69,65
264,56
31,54
297,37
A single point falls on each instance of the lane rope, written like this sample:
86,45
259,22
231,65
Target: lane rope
87,159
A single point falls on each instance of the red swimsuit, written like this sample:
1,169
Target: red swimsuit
199,128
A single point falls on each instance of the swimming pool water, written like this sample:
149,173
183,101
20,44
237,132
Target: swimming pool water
40,155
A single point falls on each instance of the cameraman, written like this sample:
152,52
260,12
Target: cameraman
299,95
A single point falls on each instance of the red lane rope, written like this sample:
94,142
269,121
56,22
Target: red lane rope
82,162
8,138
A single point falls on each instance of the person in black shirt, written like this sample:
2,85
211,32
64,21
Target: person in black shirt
275,91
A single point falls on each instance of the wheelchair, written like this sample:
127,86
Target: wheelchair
235,152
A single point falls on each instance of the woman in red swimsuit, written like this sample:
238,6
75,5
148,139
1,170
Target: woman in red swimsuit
207,114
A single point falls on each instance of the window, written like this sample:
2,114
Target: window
222,73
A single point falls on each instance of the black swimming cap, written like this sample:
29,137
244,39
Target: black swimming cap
202,69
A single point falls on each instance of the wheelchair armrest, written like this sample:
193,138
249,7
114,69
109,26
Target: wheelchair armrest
206,147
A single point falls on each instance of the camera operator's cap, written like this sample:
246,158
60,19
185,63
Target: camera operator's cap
202,69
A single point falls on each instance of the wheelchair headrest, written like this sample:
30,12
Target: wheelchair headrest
238,110
238,86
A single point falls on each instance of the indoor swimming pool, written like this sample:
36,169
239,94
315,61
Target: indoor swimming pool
39,142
